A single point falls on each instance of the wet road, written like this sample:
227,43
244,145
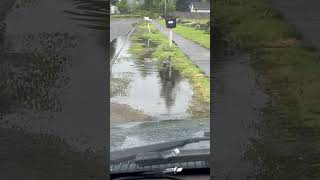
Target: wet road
134,76
53,90
120,27
131,81
237,105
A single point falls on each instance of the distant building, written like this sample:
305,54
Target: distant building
199,7
114,10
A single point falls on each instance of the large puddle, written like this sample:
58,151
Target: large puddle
146,87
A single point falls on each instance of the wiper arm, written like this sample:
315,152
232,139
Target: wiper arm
148,177
172,156
129,154
154,174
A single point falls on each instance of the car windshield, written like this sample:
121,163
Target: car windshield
159,92
132,135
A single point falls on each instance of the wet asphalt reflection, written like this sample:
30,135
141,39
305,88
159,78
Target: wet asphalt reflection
147,87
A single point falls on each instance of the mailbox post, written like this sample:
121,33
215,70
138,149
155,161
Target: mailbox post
170,23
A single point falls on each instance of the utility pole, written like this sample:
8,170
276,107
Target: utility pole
165,8
170,38
165,16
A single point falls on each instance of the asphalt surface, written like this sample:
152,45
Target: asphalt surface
304,15
120,27
198,54
237,103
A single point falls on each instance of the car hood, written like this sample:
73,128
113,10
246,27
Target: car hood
132,135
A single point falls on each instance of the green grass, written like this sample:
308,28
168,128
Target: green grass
198,36
251,23
201,21
200,83
290,69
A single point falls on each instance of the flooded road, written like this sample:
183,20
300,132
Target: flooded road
53,92
143,84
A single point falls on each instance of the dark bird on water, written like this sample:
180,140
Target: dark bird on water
167,62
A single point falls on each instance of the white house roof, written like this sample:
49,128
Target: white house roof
201,5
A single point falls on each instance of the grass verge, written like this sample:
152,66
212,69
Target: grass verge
198,36
199,20
290,69
200,83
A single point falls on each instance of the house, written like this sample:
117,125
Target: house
199,7
114,10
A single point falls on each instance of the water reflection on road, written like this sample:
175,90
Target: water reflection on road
90,14
144,84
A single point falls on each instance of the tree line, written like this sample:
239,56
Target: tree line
158,6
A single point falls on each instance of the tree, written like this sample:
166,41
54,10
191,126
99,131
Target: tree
183,5
171,5
134,5
113,2
159,5
123,6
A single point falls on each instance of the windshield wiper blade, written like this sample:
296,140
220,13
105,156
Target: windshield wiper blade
148,177
130,154
172,156
155,174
